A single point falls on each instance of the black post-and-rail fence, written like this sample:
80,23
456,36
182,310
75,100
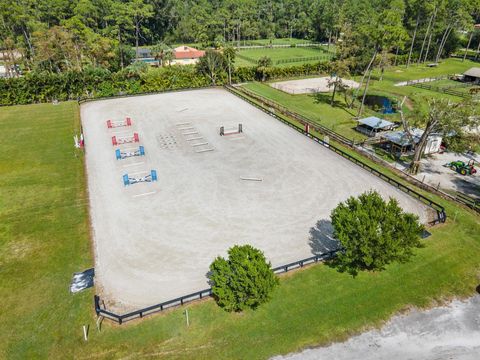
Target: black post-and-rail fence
273,106
285,111
441,215
199,294
439,209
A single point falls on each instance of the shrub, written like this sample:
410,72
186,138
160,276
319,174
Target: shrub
373,233
244,280
37,87
265,62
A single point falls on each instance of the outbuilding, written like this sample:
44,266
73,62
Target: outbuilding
472,75
372,126
144,53
400,143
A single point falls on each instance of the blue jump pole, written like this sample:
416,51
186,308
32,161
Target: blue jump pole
154,175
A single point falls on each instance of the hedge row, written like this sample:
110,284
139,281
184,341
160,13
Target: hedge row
92,83
45,87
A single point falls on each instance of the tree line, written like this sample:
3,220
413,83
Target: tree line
61,35
214,69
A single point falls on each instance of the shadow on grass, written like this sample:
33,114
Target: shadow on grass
326,98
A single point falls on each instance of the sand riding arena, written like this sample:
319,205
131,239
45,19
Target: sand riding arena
169,192
311,85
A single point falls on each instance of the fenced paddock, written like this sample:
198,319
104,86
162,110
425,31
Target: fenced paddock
284,56
310,85
444,84
154,248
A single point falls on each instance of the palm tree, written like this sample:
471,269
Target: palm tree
163,53
229,53
340,69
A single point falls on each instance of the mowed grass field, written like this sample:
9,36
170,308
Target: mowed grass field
456,86
417,96
301,55
44,239
315,107
43,232
340,118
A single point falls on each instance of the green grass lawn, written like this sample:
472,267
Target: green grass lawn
414,72
446,83
316,107
339,118
279,54
417,96
441,85
261,42
279,41
445,67
44,234
45,238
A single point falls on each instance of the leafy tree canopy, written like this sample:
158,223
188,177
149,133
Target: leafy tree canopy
453,121
243,280
212,64
373,233
359,28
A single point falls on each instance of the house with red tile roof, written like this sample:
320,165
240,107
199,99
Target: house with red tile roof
184,55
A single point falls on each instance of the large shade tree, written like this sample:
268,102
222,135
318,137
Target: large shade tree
244,280
373,233
453,121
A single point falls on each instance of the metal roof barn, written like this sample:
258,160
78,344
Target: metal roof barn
472,74
372,125
376,123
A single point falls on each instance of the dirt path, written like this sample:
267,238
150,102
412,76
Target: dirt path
449,332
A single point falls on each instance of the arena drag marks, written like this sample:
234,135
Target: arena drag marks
155,241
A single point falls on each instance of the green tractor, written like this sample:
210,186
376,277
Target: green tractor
462,168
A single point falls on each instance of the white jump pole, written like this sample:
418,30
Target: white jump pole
85,332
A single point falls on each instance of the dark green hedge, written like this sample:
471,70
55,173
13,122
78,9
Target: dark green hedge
93,83
45,87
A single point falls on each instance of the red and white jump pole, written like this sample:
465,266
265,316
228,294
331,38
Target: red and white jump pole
113,124
125,139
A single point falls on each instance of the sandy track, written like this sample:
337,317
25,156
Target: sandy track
448,332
